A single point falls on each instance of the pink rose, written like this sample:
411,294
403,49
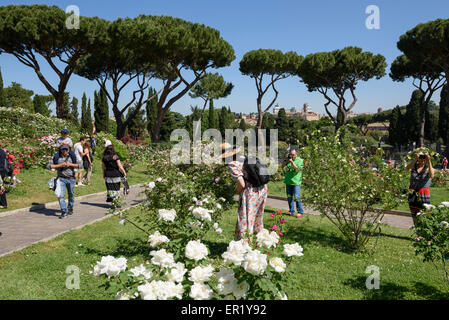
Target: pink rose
282,221
275,227
272,215
280,233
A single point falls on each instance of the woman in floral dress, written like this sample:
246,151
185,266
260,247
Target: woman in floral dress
252,200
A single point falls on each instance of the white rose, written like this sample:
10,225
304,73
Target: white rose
147,292
200,291
445,203
162,258
278,264
219,206
195,250
177,273
165,290
219,231
235,253
444,224
428,206
156,239
226,281
167,215
267,239
240,290
202,213
215,225
122,295
255,262
151,185
110,266
201,274
141,270
293,250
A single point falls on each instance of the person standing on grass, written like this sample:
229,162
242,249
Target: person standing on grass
3,173
252,199
87,162
292,166
66,179
93,143
79,153
444,163
421,175
113,172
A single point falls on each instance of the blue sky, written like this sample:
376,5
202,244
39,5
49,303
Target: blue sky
288,25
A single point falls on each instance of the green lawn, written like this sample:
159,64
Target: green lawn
34,189
437,195
324,272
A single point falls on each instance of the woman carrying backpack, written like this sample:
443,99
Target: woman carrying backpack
252,199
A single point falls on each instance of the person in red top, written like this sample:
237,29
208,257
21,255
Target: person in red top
444,163
16,168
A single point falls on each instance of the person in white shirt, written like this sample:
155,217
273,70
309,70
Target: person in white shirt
78,149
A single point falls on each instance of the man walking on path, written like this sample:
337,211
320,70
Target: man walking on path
292,167
66,179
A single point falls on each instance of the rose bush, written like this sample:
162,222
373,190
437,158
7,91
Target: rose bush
345,189
433,226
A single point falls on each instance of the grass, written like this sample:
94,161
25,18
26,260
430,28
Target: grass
34,189
326,271
437,194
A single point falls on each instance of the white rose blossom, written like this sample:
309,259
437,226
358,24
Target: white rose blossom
195,250
176,274
445,203
291,250
235,253
167,215
278,264
201,274
227,282
202,213
444,225
267,239
141,271
160,290
241,290
110,266
255,262
156,239
200,291
151,185
162,258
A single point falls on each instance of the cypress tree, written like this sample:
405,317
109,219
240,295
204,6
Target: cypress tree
74,108
84,112
213,119
2,93
412,117
101,111
443,119
282,125
242,125
151,110
395,131
89,126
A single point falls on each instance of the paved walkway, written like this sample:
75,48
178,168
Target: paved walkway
22,228
392,220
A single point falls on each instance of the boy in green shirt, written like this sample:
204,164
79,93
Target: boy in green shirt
292,167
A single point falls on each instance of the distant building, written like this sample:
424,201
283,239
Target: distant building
306,113
378,126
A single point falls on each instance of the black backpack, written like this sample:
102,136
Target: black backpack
256,172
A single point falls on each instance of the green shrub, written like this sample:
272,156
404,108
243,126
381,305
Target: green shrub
120,148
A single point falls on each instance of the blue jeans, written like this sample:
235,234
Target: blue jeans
68,184
294,195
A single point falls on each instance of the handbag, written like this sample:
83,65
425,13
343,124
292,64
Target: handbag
53,183
414,199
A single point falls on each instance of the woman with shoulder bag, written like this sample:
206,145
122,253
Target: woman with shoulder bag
421,175
87,162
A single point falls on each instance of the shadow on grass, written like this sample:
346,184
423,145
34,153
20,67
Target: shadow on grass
216,248
393,291
124,247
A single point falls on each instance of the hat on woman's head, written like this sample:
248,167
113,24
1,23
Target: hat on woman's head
107,143
227,150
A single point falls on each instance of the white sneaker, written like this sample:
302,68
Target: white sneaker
81,185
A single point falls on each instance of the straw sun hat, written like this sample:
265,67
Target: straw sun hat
227,150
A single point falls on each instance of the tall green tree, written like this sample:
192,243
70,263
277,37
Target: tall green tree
395,131
443,117
427,79
101,112
431,127
172,121
88,122
412,121
74,109
282,125
151,109
2,93
19,97
272,64
225,120
84,120
42,104
213,116
211,87
137,125
37,33
335,74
